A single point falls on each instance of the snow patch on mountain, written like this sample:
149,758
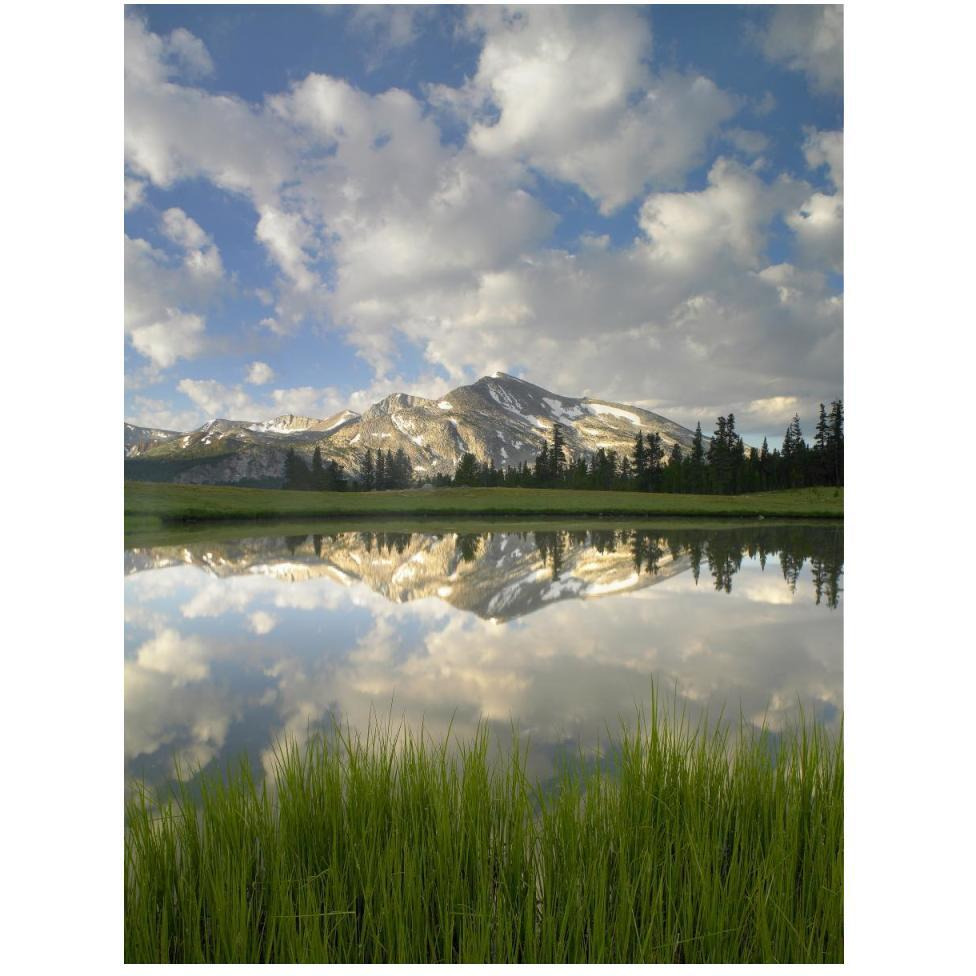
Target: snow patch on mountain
606,409
559,409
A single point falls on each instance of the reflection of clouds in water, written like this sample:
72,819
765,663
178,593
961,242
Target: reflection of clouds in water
261,622
568,671
169,701
181,659
157,583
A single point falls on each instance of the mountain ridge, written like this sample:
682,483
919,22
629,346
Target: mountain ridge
498,418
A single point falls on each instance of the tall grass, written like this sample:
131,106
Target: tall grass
696,846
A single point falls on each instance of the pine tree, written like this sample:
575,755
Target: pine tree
837,441
297,475
381,473
697,461
557,456
655,459
542,465
318,472
626,472
736,454
368,472
718,458
674,473
466,473
765,468
401,470
640,462
794,454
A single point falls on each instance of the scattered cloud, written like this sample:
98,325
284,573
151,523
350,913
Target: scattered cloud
809,39
135,193
166,295
379,227
385,28
568,90
216,399
818,222
259,374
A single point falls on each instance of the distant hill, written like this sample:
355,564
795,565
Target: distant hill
499,418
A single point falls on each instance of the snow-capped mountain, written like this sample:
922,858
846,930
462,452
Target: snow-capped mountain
139,439
499,418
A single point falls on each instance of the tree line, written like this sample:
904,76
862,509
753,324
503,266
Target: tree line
319,477
724,467
389,470
721,553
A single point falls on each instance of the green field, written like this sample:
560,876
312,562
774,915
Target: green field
149,506
688,845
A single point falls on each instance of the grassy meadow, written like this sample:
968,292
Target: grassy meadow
689,845
149,505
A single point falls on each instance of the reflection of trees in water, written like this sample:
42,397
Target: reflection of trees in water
646,551
826,574
294,542
468,546
552,546
721,550
603,540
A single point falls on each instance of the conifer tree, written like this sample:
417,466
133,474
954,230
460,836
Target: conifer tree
381,475
542,465
837,441
557,456
368,472
297,476
697,461
655,462
318,472
640,462
718,458
674,473
466,473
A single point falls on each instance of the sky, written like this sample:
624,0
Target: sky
325,205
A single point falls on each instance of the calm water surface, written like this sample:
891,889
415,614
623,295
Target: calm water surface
230,645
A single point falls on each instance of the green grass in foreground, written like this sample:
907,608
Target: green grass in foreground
146,502
388,848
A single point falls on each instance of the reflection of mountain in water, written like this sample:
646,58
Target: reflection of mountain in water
503,575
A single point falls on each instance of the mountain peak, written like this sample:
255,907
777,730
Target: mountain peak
499,417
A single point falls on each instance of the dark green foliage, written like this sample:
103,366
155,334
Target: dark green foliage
655,462
467,470
680,844
319,477
367,473
727,467
557,456
297,475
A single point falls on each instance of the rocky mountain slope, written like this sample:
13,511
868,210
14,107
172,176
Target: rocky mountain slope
499,418
139,439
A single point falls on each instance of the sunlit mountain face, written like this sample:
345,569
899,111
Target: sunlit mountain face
560,633
500,419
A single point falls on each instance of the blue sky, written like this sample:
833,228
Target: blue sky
328,204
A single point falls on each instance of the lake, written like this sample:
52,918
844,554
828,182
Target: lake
244,637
